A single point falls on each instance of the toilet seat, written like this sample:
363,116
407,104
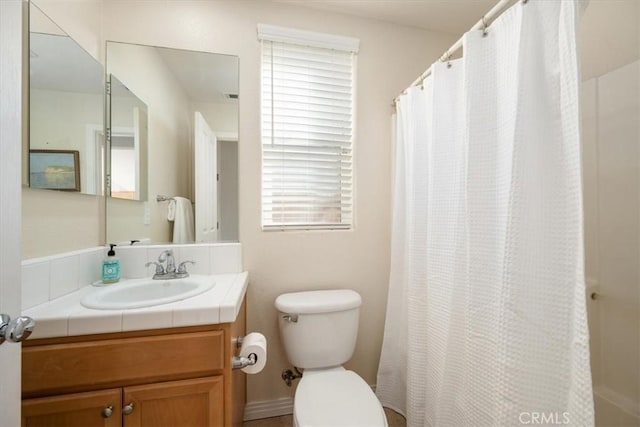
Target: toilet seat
336,398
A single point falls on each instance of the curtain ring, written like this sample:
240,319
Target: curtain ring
446,57
524,1
484,27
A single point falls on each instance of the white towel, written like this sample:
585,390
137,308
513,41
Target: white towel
180,212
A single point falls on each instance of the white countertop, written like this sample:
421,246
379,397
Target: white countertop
65,316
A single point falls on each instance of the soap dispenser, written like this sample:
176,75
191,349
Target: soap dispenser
111,267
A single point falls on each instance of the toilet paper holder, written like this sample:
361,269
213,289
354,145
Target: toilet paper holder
252,355
239,362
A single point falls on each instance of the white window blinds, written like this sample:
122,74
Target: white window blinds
307,136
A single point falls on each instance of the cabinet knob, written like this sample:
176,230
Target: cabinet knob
128,409
107,412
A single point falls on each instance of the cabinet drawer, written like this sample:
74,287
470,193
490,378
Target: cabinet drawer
59,368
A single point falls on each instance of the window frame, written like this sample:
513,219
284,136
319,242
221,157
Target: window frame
269,33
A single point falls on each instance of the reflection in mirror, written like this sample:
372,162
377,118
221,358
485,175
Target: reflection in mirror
65,111
192,146
128,143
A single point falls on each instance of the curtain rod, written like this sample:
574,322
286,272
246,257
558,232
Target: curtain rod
482,23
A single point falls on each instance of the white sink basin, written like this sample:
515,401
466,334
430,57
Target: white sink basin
139,293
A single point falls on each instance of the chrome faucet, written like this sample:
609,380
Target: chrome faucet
169,272
167,256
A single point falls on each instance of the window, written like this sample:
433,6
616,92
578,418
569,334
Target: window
307,129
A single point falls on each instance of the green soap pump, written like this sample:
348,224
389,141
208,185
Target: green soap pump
111,267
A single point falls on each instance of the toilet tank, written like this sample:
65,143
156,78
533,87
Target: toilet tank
319,328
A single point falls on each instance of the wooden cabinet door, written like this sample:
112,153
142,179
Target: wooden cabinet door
188,403
74,410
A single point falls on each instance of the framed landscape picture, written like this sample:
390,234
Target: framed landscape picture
54,169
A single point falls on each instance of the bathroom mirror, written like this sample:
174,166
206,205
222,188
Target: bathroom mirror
66,111
191,153
127,162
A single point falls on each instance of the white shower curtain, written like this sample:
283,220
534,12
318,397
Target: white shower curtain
486,321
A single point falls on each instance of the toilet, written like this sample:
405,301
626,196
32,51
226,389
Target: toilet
319,331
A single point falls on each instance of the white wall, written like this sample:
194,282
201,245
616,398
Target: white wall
609,36
59,221
390,57
610,49
611,153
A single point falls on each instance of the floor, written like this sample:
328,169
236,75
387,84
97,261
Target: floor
393,418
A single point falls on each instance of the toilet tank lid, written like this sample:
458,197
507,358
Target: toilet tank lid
312,302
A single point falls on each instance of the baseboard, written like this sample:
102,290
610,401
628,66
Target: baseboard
268,408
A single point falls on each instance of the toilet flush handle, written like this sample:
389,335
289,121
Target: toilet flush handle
292,318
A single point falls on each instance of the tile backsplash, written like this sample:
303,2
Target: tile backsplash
47,278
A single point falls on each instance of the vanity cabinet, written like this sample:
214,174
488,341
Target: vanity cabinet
161,377
196,402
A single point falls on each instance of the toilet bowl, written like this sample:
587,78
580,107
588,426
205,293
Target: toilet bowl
319,331
336,397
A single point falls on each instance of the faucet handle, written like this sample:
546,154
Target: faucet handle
182,268
159,268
